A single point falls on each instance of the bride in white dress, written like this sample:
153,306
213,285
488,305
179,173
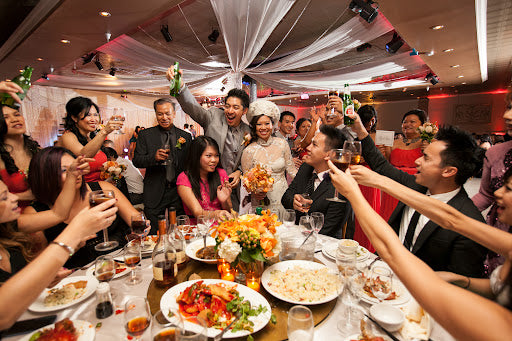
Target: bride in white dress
271,152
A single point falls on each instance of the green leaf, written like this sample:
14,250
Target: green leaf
273,319
245,256
258,256
250,338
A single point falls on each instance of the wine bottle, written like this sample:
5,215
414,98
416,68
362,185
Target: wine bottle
348,106
23,80
177,239
165,268
175,85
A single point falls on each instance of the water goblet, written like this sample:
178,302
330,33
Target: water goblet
137,316
318,221
162,329
204,223
289,218
104,268
96,198
118,116
381,282
300,324
305,225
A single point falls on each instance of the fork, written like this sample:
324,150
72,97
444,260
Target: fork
238,314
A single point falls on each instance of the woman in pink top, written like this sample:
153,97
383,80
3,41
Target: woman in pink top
204,186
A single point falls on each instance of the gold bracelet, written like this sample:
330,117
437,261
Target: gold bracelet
67,247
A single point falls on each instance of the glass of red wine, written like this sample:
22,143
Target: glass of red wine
137,316
132,257
341,159
96,198
139,226
105,268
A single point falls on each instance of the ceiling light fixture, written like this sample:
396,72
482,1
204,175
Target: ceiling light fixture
214,36
39,59
367,9
454,66
104,14
363,47
87,58
437,27
98,63
432,78
395,44
463,83
460,76
165,32
448,50
65,41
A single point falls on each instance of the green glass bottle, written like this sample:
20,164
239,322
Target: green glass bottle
23,80
175,85
348,106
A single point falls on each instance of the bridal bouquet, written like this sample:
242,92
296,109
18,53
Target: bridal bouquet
427,131
258,180
113,171
248,238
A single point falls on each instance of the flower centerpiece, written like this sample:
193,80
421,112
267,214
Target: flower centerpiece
112,171
427,131
258,180
248,240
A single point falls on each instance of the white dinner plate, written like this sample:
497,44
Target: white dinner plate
39,307
356,337
149,245
86,331
90,271
168,301
283,266
402,295
329,251
197,245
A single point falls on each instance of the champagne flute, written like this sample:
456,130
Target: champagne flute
204,222
132,257
381,282
139,226
137,316
118,116
341,159
104,268
318,221
300,324
289,218
96,198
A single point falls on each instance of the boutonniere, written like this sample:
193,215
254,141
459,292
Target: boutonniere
246,140
181,141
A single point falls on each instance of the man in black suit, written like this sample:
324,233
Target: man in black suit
442,171
313,178
162,166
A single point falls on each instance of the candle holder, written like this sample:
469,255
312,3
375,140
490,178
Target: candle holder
228,275
222,266
253,281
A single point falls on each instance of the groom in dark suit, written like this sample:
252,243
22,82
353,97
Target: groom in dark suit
162,166
313,178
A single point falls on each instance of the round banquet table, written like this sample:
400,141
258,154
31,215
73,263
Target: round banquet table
112,328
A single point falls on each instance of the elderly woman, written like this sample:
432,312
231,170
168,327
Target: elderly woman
268,151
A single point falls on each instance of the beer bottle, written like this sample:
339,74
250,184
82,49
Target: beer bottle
23,80
175,85
348,106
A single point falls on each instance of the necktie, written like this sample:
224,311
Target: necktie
310,185
411,229
169,169
230,151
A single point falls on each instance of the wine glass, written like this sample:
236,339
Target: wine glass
162,329
139,226
104,268
300,324
137,316
183,223
204,223
132,257
318,221
118,116
355,148
167,147
96,198
381,282
306,204
341,159
199,333
305,225
333,92
289,218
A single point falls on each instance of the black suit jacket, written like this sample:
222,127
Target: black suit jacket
441,249
335,214
155,183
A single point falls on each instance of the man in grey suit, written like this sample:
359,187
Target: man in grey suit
225,126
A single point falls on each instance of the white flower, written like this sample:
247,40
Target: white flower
111,169
428,129
117,171
229,250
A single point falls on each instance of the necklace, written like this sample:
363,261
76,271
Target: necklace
408,142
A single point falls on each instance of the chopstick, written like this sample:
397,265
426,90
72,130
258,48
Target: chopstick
394,338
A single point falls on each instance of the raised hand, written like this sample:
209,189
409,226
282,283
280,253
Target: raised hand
11,89
224,192
170,75
365,176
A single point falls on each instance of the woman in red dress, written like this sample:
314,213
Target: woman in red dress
404,153
81,122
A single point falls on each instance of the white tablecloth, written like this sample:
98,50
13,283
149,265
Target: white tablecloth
113,327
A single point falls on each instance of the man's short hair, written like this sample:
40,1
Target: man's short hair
286,113
366,113
462,152
185,125
110,152
161,101
108,143
239,93
334,137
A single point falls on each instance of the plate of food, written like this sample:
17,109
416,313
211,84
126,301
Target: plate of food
195,250
64,330
329,251
121,270
301,282
399,294
418,323
149,244
213,300
360,337
68,292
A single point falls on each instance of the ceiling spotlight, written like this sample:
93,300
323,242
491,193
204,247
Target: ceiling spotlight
98,63
45,76
222,89
395,43
104,14
165,32
65,41
461,76
363,47
87,58
432,78
39,59
437,27
367,9
463,83
52,69
448,50
214,36
454,66
112,71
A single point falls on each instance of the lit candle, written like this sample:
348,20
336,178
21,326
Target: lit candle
253,282
228,275
223,266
